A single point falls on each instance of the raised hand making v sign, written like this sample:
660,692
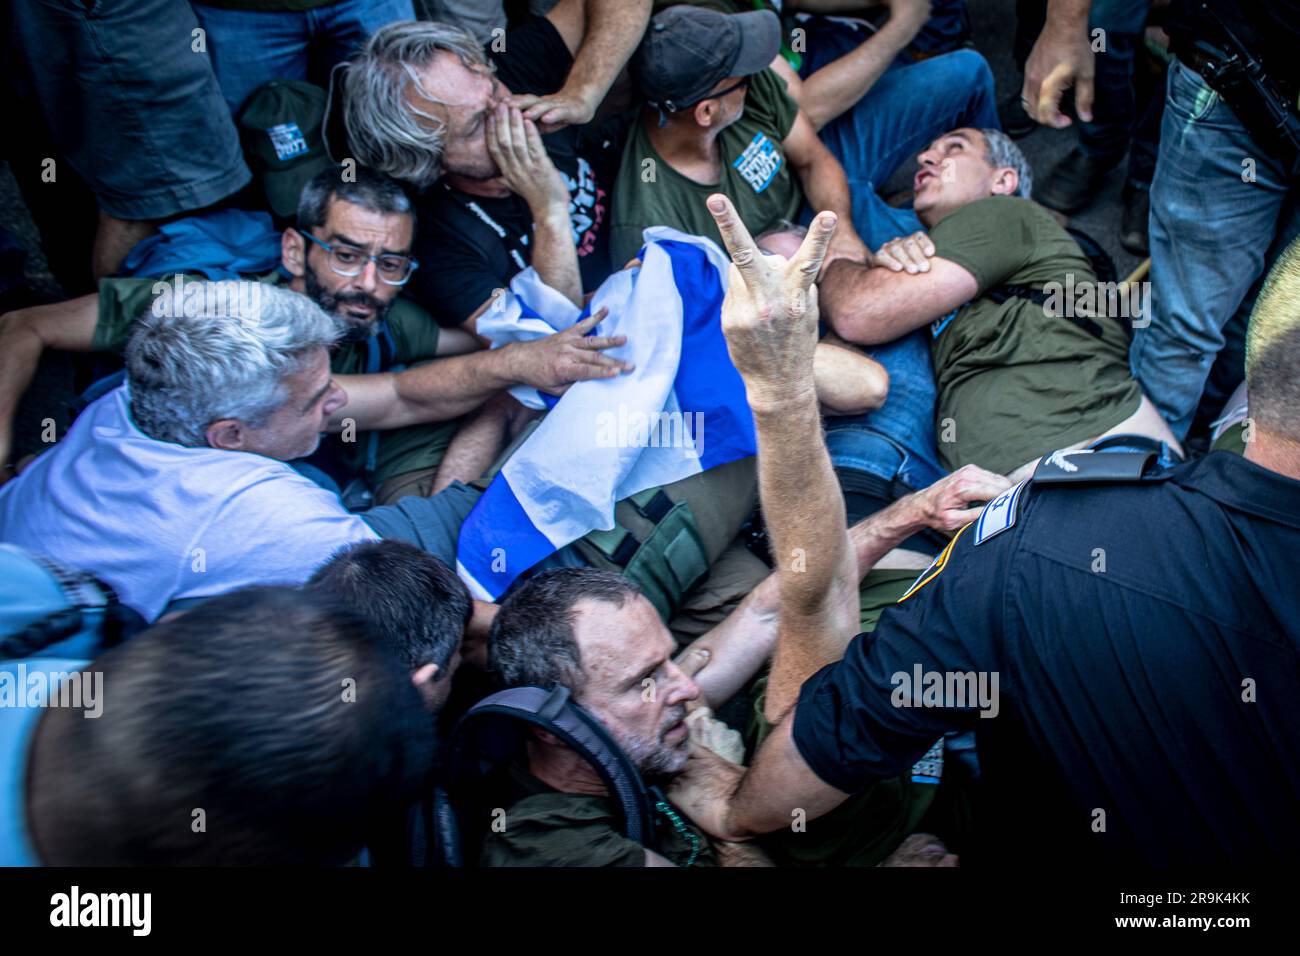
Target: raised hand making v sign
769,317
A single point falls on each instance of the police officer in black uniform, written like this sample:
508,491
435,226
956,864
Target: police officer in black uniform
1143,630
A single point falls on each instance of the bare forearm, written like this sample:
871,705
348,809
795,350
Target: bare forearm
804,512
24,335
825,187
614,29
777,786
859,303
876,535
740,645
1067,18
20,352
554,256
740,854
841,83
476,446
801,501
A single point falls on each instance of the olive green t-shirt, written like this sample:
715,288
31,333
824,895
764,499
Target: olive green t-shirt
548,828
415,341
1015,382
755,174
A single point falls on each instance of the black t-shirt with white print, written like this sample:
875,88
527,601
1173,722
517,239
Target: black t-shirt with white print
469,246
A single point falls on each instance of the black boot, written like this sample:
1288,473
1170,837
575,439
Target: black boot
1072,183
1133,225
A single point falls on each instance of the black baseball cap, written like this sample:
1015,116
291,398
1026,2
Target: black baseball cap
688,50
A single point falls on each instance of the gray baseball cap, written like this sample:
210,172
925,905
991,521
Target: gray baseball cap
688,50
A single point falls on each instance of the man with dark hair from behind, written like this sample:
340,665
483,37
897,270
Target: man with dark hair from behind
263,727
413,602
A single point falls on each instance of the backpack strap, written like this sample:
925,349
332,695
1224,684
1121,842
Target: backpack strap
1002,293
487,737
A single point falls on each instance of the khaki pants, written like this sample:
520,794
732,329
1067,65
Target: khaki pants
418,483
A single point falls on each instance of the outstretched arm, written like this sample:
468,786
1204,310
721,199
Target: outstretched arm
24,335
450,387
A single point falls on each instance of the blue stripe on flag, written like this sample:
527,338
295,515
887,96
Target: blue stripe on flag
706,380
498,521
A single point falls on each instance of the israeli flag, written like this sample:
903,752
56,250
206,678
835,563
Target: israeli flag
680,412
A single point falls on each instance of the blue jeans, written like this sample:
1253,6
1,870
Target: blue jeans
249,48
908,107
1212,234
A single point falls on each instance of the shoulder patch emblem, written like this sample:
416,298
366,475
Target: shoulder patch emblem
929,574
999,514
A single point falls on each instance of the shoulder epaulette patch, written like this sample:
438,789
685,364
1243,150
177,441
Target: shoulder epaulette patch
1086,465
999,514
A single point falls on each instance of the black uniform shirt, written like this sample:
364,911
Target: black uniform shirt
1144,638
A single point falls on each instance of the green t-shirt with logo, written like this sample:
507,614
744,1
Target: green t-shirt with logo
415,341
755,174
1015,382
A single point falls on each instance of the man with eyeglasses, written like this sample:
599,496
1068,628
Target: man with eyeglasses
350,254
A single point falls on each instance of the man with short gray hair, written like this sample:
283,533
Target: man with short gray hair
176,485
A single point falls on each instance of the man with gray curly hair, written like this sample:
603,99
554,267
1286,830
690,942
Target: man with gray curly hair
464,124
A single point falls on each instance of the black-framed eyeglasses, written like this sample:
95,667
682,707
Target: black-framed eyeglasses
349,261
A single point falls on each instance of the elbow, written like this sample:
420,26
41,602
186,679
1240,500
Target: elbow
852,325
848,382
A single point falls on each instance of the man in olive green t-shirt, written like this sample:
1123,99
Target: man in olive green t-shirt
719,120
1026,360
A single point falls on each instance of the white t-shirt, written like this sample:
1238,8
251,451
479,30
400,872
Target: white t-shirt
159,522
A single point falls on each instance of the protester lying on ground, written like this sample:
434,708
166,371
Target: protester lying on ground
1018,373
342,222
751,144
425,103
316,736
1117,775
174,485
